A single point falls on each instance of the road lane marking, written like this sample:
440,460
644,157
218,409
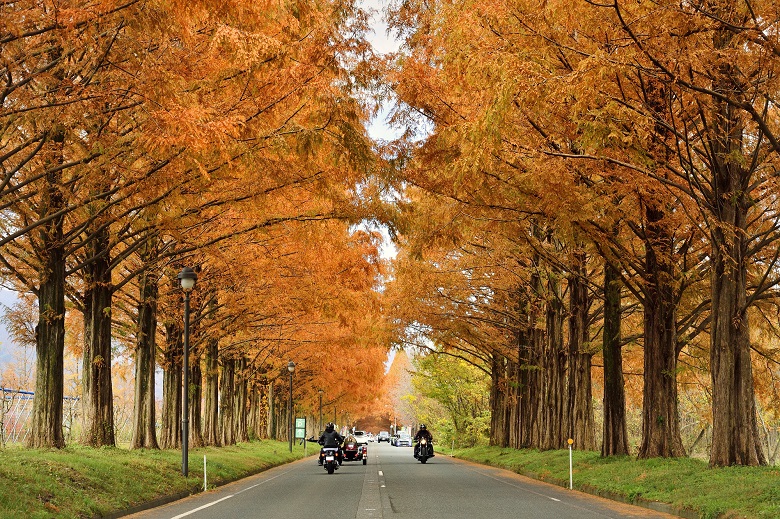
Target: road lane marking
370,505
381,473
185,514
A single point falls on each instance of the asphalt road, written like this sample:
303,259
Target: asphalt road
393,485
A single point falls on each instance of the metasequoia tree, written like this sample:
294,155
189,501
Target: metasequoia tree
228,99
718,118
50,62
642,127
485,167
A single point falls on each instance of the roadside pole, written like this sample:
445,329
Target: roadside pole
571,474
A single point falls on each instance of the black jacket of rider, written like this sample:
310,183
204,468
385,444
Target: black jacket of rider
330,439
423,433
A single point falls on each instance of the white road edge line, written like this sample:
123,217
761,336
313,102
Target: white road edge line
185,514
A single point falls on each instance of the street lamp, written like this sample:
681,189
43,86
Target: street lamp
187,277
291,369
320,392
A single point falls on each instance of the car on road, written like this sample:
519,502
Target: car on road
384,436
361,437
404,440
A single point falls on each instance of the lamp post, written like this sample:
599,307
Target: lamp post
320,392
187,278
291,369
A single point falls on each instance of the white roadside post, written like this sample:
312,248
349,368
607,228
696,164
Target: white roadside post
571,477
205,480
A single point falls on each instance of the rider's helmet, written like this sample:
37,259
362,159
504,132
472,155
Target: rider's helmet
330,427
422,427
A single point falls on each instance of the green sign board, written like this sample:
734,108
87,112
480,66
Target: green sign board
300,428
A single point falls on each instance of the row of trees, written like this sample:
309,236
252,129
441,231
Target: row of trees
137,138
597,174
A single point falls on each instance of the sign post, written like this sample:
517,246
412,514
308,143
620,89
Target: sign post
571,476
300,428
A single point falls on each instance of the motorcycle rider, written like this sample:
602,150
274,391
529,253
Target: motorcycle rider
331,438
423,432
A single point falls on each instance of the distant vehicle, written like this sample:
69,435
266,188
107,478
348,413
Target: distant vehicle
384,436
361,437
371,437
404,440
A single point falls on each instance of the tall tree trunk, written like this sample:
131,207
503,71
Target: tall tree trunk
241,401
272,411
553,382
195,402
580,402
98,403
211,434
498,428
735,436
46,419
614,438
253,417
660,423
170,432
144,419
227,419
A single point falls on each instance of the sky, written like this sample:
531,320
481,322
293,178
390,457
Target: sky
382,43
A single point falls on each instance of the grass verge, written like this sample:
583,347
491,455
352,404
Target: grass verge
81,482
684,483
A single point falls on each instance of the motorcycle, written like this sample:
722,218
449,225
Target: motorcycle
352,451
330,458
423,450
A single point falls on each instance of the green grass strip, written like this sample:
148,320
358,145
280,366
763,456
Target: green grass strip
83,482
684,483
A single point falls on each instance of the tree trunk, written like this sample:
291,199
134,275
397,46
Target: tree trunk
170,432
660,422
580,401
144,419
46,419
272,411
211,434
553,381
615,438
195,402
98,403
241,401
227,422
735,437
498,428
